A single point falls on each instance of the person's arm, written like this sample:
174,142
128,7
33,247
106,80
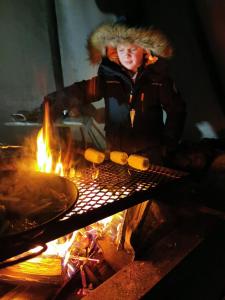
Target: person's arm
175,109
74,97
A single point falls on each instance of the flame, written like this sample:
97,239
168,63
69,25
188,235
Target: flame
49,162
59,247
45,161
44,157
65,251
59,167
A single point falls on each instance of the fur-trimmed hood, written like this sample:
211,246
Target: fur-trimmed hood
111,35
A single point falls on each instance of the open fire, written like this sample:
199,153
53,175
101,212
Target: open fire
104,190
71,253
45,161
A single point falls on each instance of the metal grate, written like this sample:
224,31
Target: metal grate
116,188
115,182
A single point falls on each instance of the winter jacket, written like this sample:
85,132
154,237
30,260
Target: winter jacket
151,93
133,108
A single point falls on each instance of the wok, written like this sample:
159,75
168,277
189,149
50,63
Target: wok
30,201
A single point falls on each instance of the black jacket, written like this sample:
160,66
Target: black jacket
151,93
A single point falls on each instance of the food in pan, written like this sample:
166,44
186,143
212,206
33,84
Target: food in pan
30,199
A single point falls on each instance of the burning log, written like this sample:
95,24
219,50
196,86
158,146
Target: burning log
44,270
29,292
91,276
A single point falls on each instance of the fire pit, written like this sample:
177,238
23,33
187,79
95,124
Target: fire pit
115,189
104,190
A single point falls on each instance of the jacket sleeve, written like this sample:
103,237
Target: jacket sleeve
175,108
75,96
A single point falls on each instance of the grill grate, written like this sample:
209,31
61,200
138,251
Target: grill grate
115,182
116,188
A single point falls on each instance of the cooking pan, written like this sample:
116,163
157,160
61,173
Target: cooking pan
30,201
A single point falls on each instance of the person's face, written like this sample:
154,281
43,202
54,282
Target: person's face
130,56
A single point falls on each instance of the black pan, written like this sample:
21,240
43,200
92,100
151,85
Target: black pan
29,201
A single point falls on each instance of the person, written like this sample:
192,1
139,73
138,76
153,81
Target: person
133,80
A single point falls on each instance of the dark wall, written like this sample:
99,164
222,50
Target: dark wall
25,61
43,46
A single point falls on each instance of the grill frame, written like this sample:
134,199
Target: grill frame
126,188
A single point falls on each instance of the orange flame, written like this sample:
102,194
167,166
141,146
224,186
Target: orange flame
45,162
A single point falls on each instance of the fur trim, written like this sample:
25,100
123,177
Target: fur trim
109,35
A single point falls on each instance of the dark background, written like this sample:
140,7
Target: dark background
44,48
197,31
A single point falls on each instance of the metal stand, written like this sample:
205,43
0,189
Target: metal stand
87,128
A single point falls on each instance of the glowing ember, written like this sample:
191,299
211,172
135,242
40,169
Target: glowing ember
45,162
